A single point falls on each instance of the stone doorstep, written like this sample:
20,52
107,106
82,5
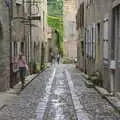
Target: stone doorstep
102,91
84,75
87,82
118,94
113,100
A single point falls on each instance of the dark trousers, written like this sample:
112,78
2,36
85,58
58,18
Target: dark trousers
22,71
58,60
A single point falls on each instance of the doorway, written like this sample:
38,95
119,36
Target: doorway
116,45
98,32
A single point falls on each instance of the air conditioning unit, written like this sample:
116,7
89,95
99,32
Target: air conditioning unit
19,2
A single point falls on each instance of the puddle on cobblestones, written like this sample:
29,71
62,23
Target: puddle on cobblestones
43,103
59,91
60,105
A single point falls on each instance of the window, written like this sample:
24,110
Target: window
94,41
17,8
22,47
91,41
89,2
15,48
105,40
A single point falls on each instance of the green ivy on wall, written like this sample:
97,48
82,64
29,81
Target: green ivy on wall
57,24
55,20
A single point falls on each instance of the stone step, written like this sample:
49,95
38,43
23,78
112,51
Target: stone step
89,84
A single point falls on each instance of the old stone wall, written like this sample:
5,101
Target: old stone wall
70,48
96,12
4,47
70,32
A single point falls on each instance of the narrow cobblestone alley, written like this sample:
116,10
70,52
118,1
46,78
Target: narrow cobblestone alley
58,93
60,105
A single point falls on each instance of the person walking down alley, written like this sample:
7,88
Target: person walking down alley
58,58
22,65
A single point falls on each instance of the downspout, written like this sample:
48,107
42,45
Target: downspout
10,12
24,24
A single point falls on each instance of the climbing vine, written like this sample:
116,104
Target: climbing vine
57,24
55,20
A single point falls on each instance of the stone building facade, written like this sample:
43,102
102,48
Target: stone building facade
97,38
101,40
38,32
44,29
70,48
80,31
69,24
115,46
22,29
4,47
9,44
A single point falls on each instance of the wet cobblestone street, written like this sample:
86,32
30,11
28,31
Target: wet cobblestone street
97,107
58,94
23,106
60,106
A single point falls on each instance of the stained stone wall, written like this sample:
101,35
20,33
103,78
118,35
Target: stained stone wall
4,47
95,14
70,33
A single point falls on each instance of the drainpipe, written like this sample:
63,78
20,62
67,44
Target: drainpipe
24,24
85,56
10,12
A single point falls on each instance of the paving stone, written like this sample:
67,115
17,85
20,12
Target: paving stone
92,102
23,107
56,99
